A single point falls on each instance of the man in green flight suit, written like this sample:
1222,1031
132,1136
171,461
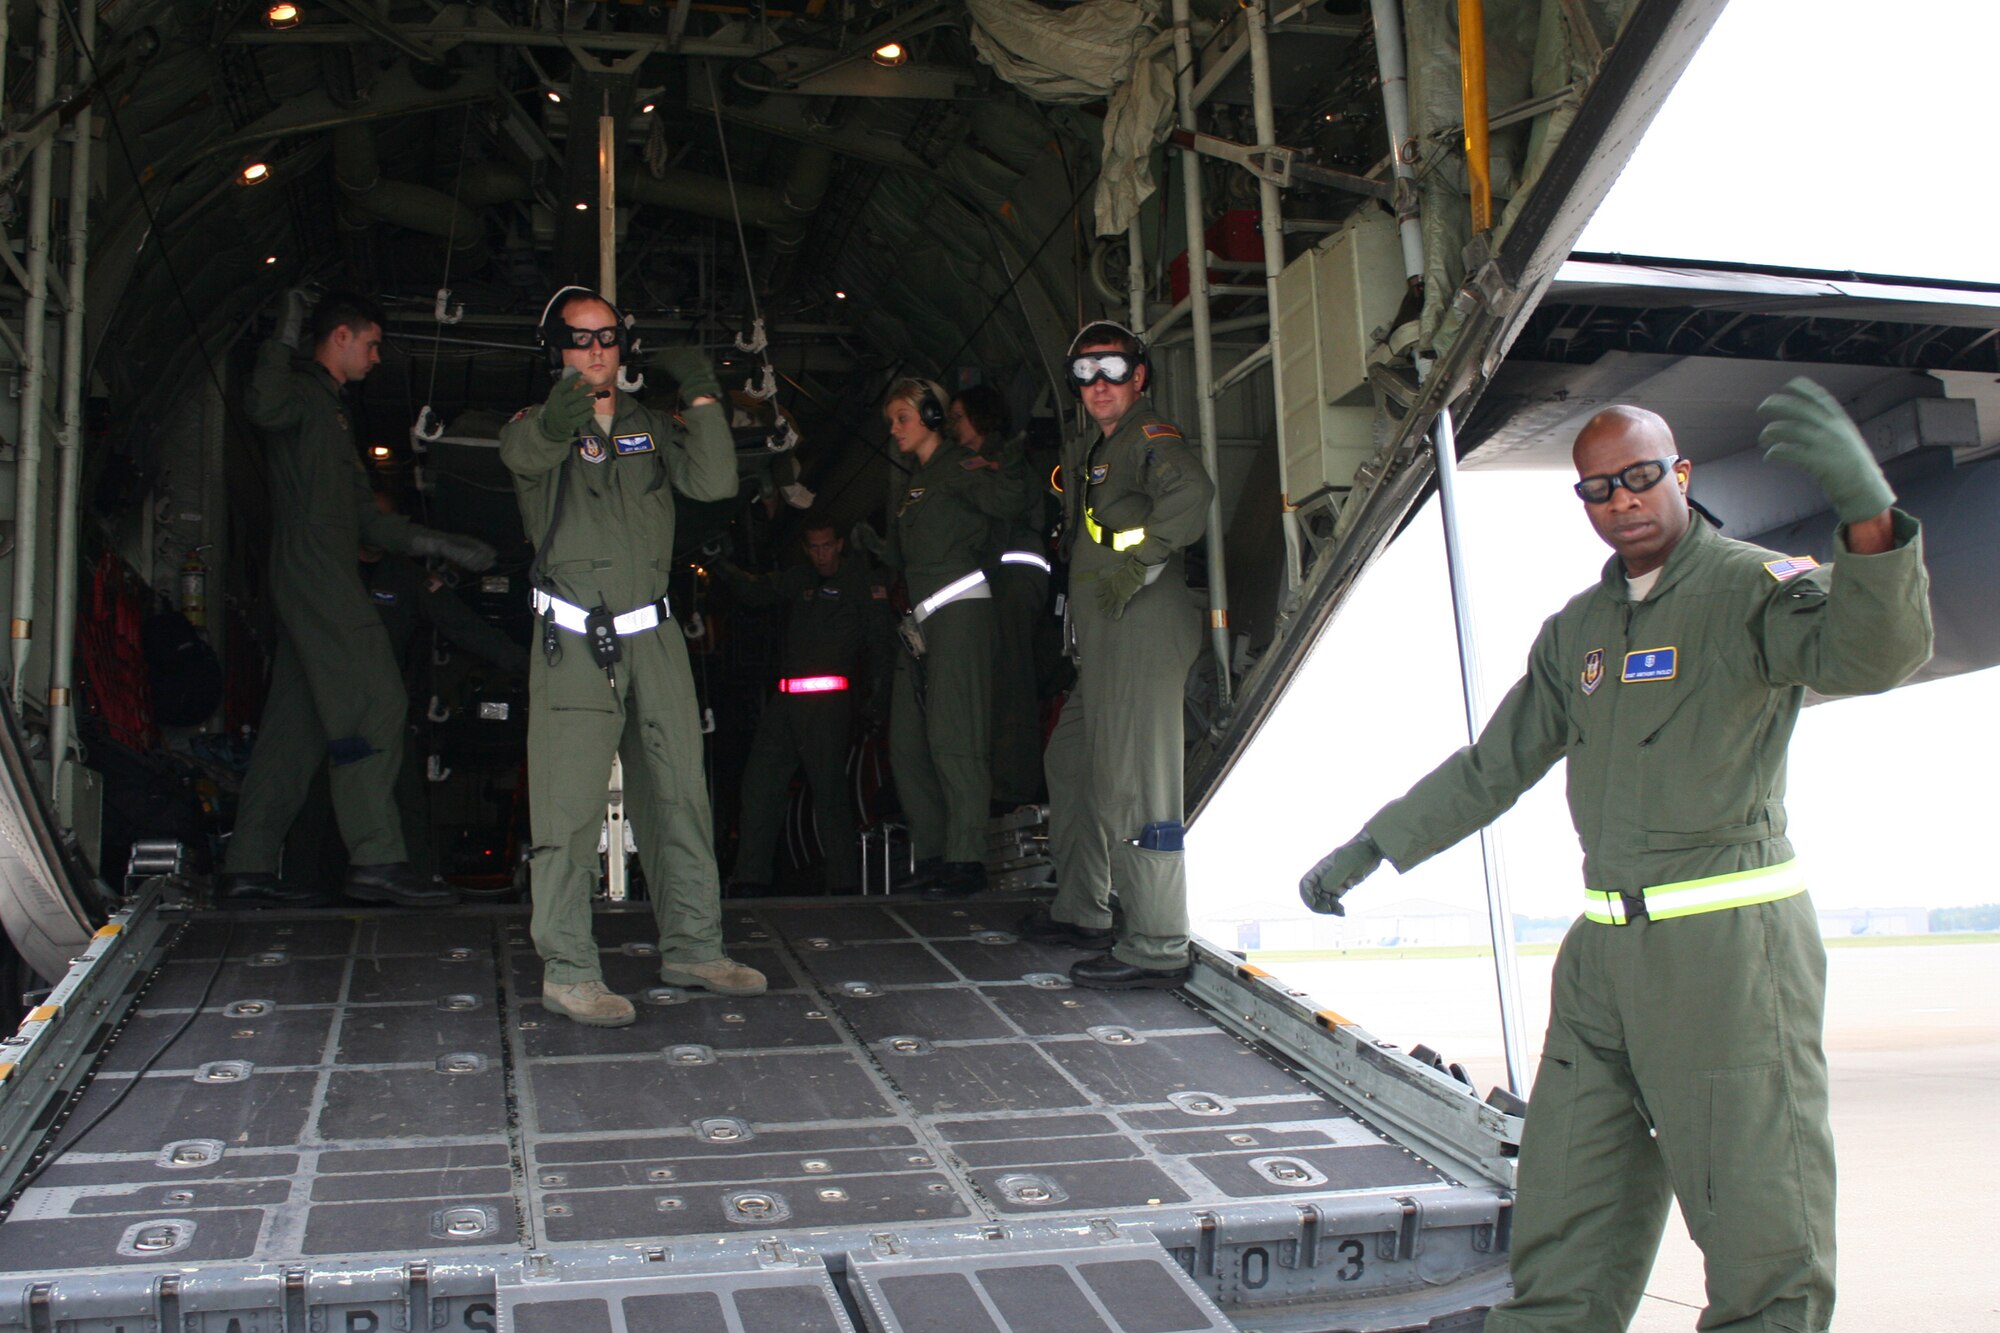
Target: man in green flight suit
1683,1056
595,473
336,692
1135,496
837,645
1020,579
404,594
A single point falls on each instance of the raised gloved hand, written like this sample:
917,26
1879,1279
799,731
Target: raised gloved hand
691,369
1337,872
463,551
1811,431
865,538
567,410
293,309
1116,589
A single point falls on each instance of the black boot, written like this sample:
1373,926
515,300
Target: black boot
1038,927
956,879
258,888
1107,973
925,874
395,882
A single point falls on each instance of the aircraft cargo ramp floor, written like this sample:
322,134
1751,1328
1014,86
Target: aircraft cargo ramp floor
359,1090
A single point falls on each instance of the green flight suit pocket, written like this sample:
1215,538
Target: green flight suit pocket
1546,1136
1750,1162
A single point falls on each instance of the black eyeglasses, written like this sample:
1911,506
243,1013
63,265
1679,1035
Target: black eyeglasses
1115,367
585,337
1635,478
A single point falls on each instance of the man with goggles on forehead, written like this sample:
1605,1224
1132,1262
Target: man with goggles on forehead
1683,1056
1134,497
595,473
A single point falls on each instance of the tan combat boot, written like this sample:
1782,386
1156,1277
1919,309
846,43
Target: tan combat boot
588,1003
723,976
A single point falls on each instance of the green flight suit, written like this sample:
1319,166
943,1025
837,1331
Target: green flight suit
613,547
941,528
834,626
1115,761
1683,1056
336,693
404,594
1020,615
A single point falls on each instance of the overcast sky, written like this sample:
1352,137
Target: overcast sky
1859,140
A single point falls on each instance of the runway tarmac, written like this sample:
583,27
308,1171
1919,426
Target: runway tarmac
1913,1040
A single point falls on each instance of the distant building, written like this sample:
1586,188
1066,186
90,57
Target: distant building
1842,922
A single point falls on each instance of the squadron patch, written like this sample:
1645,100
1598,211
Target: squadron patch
384,597
591,448
830,592
1790,567
1161,431
1593,670
879,593
1098,472
521,415
910,497
642,443
1644,664
434,582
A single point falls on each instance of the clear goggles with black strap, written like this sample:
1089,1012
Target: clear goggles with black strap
576,337
1111,367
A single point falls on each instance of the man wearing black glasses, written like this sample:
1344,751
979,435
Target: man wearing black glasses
1135,496
1683,1057
595,472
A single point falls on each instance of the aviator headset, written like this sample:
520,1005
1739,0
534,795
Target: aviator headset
930,406
554,335
1138,356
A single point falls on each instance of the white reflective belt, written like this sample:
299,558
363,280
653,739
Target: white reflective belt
1690,897
973,585
1153,573
573,617
1027,558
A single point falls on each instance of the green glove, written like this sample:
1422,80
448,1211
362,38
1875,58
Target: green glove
1337,872
691,369
865,538
463,551
1809,430
1116,589
567,411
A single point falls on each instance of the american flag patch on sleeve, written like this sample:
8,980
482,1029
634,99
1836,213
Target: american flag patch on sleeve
1790,567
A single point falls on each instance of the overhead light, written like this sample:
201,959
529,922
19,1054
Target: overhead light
555,96
270,259
582,207
891,54
254,174
282,16
379,451
646,110
840,296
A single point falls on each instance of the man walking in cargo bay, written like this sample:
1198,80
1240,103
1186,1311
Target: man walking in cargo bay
336,690
595,473
1683,1056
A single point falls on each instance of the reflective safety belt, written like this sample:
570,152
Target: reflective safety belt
812,684
572,617
972,586
1691,897
1027,558
1118,541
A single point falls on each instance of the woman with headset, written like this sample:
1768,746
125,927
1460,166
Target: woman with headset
945,524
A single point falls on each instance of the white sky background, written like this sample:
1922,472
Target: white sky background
1856,140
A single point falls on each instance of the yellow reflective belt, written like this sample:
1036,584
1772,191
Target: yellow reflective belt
1691,897
1120,541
